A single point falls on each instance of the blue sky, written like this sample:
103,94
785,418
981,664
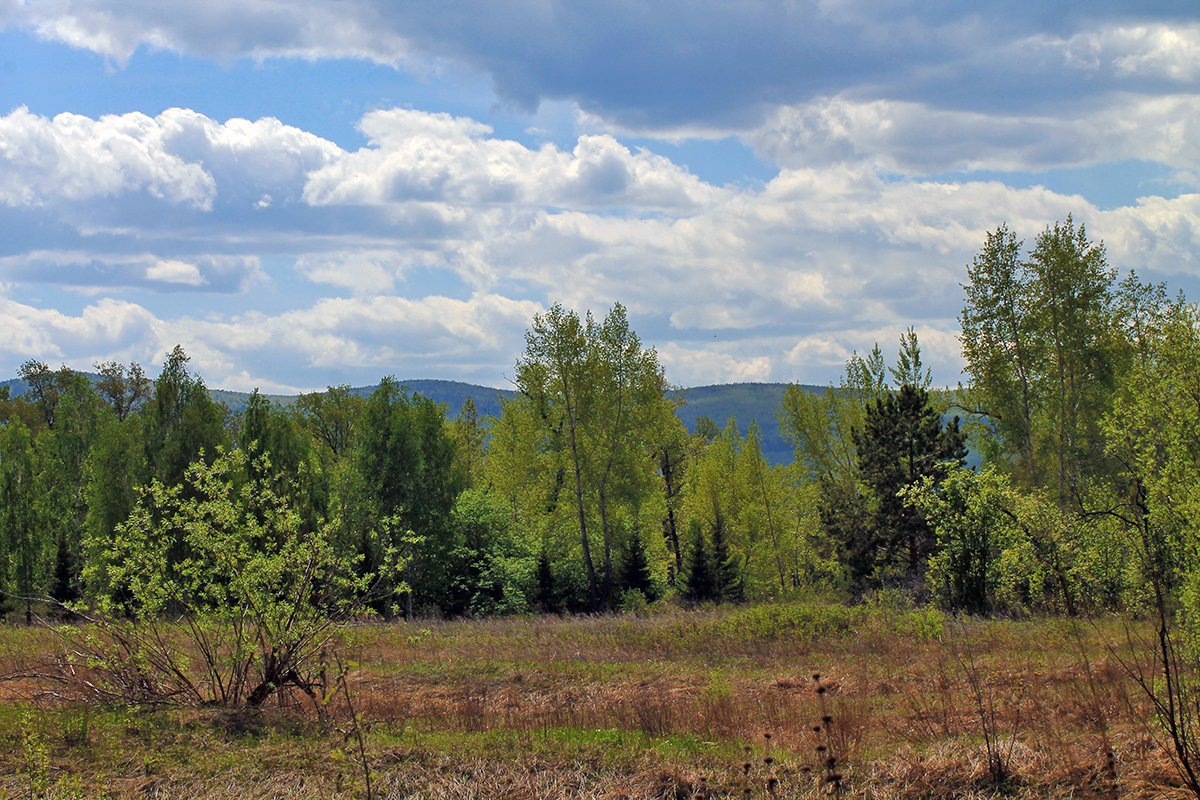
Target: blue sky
317,192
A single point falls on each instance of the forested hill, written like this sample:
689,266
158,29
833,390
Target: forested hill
747,402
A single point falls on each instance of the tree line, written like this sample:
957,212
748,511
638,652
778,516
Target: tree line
586,492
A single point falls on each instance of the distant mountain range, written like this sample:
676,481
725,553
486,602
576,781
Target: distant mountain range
746,402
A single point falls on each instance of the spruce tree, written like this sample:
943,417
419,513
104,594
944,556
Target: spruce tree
635,568
902,442
547,593
700,581
726,567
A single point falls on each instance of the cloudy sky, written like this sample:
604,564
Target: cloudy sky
318,192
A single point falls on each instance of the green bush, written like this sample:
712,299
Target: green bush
214,594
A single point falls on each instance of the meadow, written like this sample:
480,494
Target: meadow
674,704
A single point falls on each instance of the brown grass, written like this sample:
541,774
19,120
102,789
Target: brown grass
672,706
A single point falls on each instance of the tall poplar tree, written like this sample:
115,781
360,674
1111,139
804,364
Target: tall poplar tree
1042,340
591,398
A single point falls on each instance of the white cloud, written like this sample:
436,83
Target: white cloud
81,270
247,160
105,329
802,270
371,337
423,157
180,157
172,271
1158,234
381,335
362,271
218,28
688,66
717,363
1160,50
913,138
75,158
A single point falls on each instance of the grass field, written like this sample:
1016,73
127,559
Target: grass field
681,704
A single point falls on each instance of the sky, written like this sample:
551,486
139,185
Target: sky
324,192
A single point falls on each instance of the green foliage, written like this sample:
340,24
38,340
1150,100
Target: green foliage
1153,433
635,568
124,388
820,427
61,455
674,453
978,544
43,385
36,757
115,467
902,443
750,403
700,584
587,485
581,439
492,570
908,369
470,441
858,447
755,507
771,622
256,599
726,569
269,429
330,418
633,601
26,551
181,423
1042,343
405,458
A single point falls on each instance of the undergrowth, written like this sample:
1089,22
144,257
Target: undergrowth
672,705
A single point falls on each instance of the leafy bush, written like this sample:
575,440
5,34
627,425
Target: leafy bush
213,594
633,601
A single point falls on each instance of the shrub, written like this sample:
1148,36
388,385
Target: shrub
214,594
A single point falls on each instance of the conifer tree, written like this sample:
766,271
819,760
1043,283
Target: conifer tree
902,442
726,567
700,580
547,592
635,568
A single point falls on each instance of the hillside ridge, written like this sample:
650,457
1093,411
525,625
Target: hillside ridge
747,402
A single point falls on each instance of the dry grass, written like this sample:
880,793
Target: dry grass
671,706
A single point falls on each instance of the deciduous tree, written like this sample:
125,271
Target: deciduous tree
181,422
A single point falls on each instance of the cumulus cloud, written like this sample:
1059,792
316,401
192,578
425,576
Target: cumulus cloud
423,157
219,29
444,240
106,329
1154,50
179,157
74,158
697,366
